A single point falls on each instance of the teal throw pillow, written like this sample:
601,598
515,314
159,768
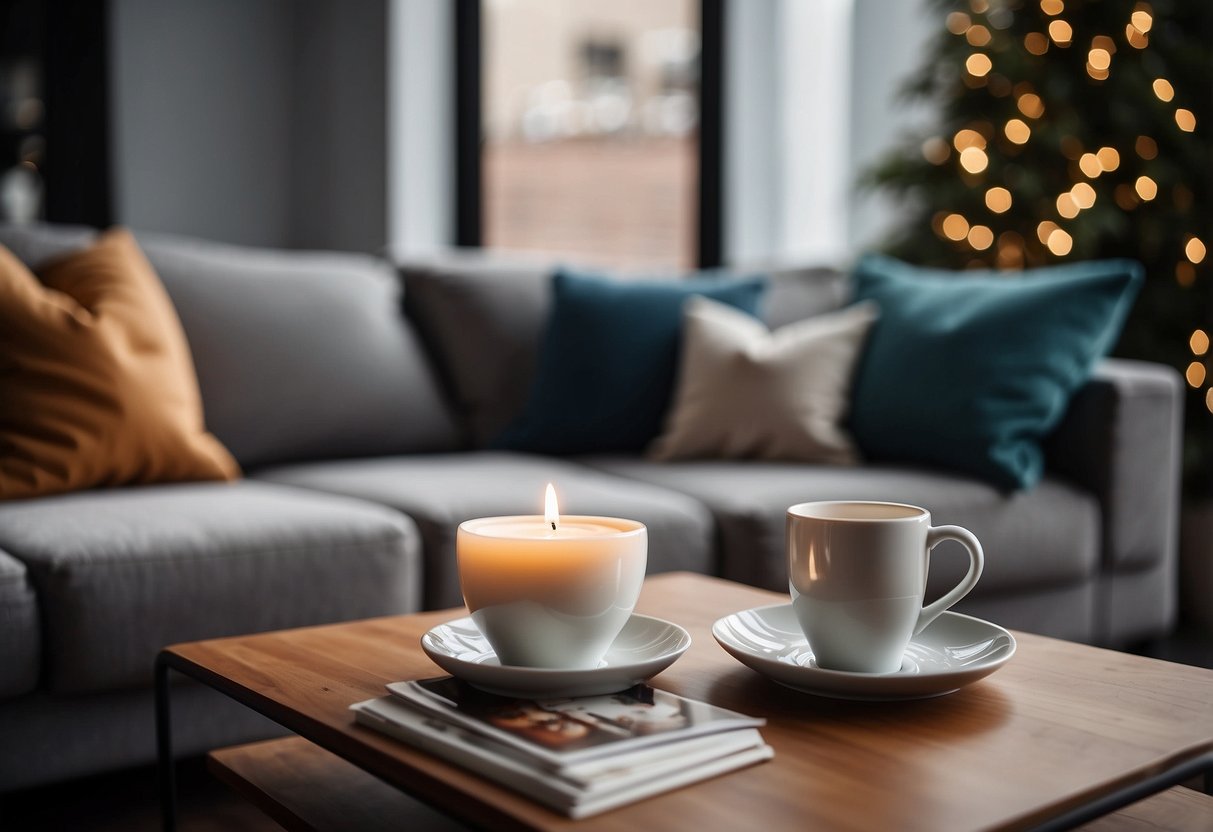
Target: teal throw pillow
606,367
970,370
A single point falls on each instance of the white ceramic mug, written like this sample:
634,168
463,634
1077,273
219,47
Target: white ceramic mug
857,572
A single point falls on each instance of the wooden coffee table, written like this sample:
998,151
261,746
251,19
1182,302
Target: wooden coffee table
1061,734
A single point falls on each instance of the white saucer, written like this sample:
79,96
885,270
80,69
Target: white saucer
953,651
645,647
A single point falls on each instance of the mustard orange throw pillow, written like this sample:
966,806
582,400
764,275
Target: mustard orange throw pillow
97,386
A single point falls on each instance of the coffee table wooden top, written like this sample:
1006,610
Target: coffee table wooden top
1058,727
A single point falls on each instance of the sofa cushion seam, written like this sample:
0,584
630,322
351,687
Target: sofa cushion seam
64,566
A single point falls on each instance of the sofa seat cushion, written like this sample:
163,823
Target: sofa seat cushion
124,572
1046,536
440,491
20,636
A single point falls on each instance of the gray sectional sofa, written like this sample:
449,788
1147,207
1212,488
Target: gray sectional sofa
360,399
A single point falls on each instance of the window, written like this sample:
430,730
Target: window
591,140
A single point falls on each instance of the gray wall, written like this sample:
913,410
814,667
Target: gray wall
251,121
202,117
339,165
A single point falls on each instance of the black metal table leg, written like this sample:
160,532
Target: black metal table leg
165,765
1131,794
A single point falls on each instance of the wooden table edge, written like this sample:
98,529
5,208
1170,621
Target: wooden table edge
234,765
428,789
1124,790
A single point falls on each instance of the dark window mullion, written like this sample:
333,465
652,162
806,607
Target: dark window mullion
469,195
711,134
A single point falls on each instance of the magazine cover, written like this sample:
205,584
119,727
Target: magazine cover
564,731
602,784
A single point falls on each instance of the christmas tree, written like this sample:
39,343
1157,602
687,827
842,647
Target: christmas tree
1073,130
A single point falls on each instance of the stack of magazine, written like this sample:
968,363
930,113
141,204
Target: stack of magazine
579,756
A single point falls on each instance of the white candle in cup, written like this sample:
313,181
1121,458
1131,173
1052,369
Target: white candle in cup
551,591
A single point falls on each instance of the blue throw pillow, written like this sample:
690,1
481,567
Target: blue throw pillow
970,370
608,358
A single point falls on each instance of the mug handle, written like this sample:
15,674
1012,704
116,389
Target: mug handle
935,536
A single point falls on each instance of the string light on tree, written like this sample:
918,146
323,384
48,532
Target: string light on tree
1199,342
1074,130
1195,250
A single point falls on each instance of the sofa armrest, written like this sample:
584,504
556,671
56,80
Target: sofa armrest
1120,439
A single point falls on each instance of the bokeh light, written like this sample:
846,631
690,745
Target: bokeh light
1186,120
981,237
978,64
1017,131
1146,188
1061,32
1195,250
1030,105
1036,43
973,159
935,150
1146,147
977,35
1060,243
998,200
1195,374
1199,342
955,227
1084,195
958,23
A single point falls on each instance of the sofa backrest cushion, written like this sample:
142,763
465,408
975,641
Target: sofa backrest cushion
96,383
796,292
610,354
36,243
483,317
302,355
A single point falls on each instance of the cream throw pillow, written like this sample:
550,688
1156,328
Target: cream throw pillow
746,392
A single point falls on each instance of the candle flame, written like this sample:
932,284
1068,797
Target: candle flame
551,511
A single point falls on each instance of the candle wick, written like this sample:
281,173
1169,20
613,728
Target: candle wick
553,525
